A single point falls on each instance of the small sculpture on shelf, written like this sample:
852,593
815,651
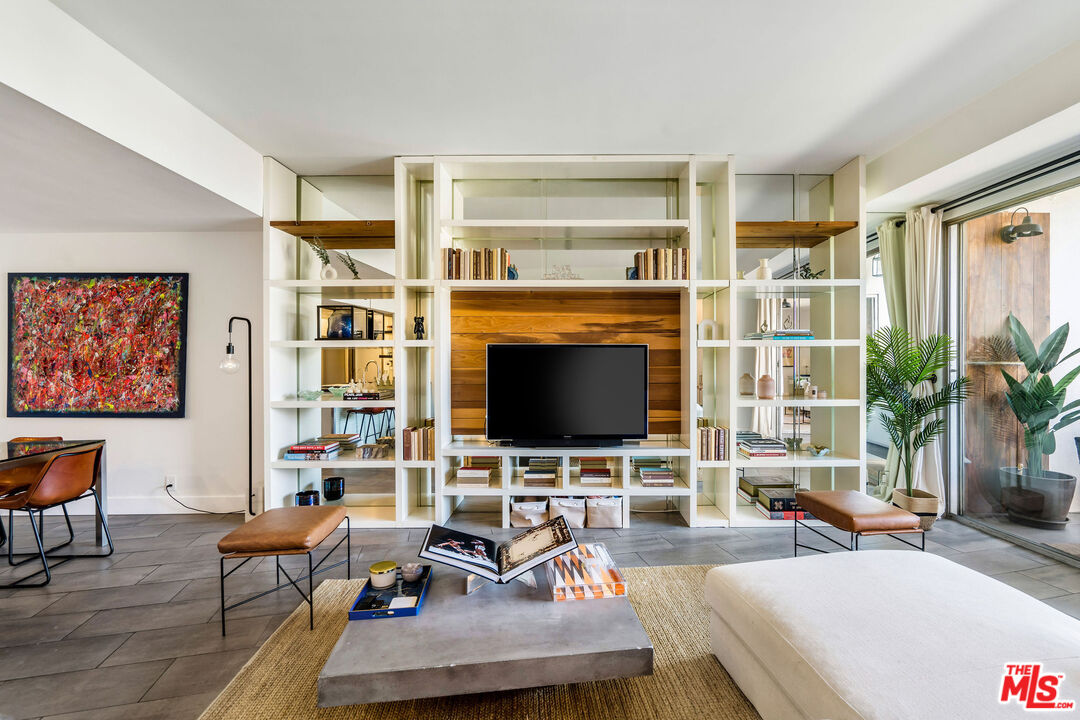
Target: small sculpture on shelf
512,272
806,274
418,327
708,330
561,272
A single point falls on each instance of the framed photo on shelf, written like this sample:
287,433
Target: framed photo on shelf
338,322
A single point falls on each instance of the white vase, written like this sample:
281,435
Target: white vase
707,328
764,272
328,272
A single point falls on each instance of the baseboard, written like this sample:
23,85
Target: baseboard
158,505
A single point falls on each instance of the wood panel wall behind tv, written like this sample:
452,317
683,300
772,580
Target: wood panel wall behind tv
615,316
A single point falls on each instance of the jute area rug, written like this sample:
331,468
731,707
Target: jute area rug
279,681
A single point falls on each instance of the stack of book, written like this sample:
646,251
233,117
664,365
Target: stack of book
780,335
491,462
755,446
595,471
751,485
779,504
347,442
712,443
542,472
479,264
657,477
473,476
314,449
418,443
663,264
368,395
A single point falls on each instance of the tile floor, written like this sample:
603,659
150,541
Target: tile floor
136,635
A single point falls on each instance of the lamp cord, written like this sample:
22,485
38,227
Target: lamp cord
178,501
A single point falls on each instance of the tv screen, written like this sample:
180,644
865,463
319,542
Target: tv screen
567,394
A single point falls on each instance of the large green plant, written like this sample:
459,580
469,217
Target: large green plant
896,366
1037,400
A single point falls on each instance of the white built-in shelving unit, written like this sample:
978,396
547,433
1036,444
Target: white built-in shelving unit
462,202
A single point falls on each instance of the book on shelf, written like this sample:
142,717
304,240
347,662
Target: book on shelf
758,446
473,476
314,446
368,395
310,455
788,335
750,484
663,264
784,515
585,573
499,562
346,441
657,477
418,443
475,264
492,462
777,499
712,442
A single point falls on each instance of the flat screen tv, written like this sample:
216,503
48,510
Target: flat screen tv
567,394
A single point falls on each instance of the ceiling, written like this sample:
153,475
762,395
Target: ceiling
342,86
60,176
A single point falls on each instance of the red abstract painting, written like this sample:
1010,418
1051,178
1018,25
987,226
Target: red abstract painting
97,345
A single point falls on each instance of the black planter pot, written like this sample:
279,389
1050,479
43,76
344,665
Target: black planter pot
1041,501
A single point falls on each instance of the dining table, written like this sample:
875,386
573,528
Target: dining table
26,452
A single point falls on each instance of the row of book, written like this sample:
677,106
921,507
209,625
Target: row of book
663,264
313,449
478,264
755,445
653,471
780,335
595,472
476,471
712,442
418,443
542,472
773,496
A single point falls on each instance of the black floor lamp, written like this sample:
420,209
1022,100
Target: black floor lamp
231,365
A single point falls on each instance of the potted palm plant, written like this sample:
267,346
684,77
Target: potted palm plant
1031,494
896,368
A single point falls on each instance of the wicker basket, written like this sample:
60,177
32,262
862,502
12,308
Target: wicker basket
923,504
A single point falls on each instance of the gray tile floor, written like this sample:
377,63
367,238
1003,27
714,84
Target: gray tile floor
136,635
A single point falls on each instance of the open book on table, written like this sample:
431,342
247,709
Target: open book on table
499,562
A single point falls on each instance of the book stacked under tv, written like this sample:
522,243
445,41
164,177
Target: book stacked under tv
595,472
418,443
313,449
479,264
754,445
473,476
542,472
663,264
497,562
653,471
712,442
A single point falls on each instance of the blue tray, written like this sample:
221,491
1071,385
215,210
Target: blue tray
362,608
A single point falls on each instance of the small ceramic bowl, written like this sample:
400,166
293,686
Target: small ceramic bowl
411,572
309,394
338,391
818,450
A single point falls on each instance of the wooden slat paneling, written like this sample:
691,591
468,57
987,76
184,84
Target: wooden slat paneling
616,316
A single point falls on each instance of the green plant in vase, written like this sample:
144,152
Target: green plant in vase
896,367
1032,494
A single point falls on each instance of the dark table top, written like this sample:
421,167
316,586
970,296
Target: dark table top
19,450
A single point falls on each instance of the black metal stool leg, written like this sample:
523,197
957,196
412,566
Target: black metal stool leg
223,597
310,594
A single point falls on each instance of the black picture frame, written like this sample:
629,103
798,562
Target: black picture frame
181,407
347,328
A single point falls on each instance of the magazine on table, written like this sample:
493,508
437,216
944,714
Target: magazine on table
499,562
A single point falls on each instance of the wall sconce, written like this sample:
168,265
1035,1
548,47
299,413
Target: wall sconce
1026,228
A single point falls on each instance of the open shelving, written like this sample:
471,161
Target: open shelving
591,213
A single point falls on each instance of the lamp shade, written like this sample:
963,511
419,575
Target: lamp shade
1027,228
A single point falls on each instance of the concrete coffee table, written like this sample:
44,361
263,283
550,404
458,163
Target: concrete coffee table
502,637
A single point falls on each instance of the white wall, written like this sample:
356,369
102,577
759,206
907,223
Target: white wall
206,450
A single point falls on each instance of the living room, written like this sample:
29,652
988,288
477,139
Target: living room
604,380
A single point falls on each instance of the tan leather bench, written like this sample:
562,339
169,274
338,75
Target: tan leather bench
857,514
286,531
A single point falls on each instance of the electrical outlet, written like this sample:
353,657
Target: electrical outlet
170,481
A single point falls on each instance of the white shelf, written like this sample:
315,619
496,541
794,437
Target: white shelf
816,343
679,488
371,516
562,229
577,489
713,343
565,284
710,515
712,284
493,488
419,284
417,343
710,464
802,458
331,403
418,464
647,448
797,401
314,286
790,288
330,344
418,517
344,460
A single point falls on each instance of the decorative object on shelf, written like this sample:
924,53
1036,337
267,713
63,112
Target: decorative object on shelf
336,322
309,395
418,327
585,573
1033,495
512,272
561,272
663,264
764,272
370,451
347,260
897,370
788,323
333,488
707,328
383,574
1026,228
230,364
822,395
806,273
97,344
373,384
766,387
479,264
747,385
811,392
818,450
411,571
763,327
328,272
307,497
401,598
338,391
794,444
387,441
631,273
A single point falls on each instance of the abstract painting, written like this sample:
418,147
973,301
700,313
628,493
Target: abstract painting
97,345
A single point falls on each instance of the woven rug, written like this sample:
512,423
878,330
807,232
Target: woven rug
688,682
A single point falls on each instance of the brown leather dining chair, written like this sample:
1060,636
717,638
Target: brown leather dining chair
63,478
14,478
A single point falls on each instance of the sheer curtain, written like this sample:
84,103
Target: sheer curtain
911,264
